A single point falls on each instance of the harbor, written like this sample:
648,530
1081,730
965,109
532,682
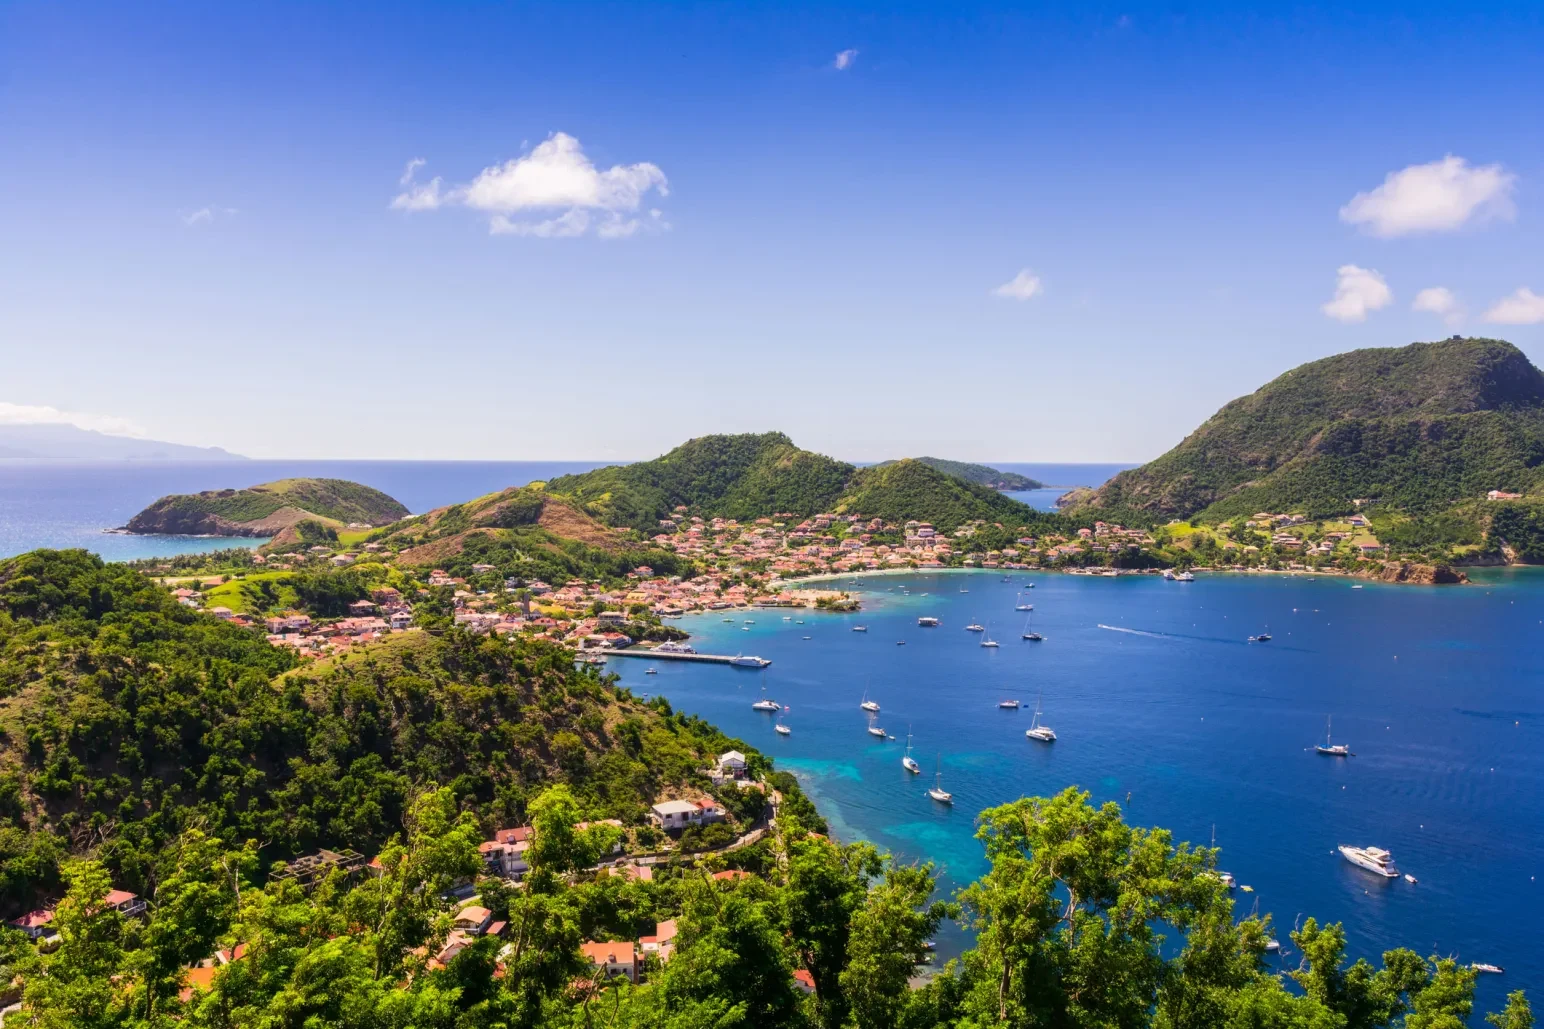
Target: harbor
736,660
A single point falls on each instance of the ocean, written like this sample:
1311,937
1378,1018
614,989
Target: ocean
1161,705
68,503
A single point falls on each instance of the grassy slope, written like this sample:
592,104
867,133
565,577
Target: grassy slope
1419,427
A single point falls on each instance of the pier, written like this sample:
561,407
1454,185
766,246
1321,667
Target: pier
737,660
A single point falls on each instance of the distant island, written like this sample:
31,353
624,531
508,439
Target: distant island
268,510
980,474
67,442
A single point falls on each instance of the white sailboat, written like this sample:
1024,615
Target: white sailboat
986,637
938,792
1332,749
1019,604
1226,877
975,627
869,705
908,762
1036,731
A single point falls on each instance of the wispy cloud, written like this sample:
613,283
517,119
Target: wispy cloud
556,178
1437,197
1021,287
844,59
205,215
1440,301
1524,307
27,414
411,170
1357,291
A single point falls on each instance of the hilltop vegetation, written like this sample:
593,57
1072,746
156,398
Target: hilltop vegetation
980,474
128,718
1416,429
268,509
752,476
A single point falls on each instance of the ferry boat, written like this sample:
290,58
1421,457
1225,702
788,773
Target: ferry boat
1036,731
1373,859
907,761
1332,750
1011,704
927,621
749,661
938,792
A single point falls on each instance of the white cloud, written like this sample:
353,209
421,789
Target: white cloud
1021,287
1358,291
844,60
1440,301
1436,197
411,170
25,414
1524,307
205,215
556,177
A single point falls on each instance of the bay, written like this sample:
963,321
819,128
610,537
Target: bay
1163,706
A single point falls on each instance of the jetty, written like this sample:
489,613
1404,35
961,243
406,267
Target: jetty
738,660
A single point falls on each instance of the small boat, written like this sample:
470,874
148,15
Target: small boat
750,621
907,761
766,705
1019,604
860,628
1028,633
975,627
927,621
745,628
729,620
1372,859
938,792
1036,731
963,590
1329,749
987,641
1264,637
804,637
782,729
900,643
1228,880
1412,880
1185,577
875,730
1029,585
788,618
869,705
1010,704
1272,946
1357,586
651,671
1485,966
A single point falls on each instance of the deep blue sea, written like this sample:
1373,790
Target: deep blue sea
1161,704
69,503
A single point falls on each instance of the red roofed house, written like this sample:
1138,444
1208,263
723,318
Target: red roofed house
34,923
123,901
803,980
731,875
662,942
617,958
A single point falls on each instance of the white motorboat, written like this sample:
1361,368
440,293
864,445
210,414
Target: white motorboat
927,621
1185,577
1485,966
1036,731
975,627
782,729
651,671
1272,946
1412,880
860,628
1329,749
1012,704
875,730
907,761
1373,859
938,792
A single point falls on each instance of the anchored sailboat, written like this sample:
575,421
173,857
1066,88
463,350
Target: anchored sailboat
938,792
908,762
1332,749
1036,731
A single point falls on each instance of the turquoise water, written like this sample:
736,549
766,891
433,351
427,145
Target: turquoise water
1157,696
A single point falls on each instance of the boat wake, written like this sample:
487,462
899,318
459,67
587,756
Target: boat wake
1136,632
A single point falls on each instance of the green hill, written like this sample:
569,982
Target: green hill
1416,429
754,476
980,474
267,509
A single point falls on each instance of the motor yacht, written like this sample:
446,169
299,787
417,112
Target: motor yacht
1373,859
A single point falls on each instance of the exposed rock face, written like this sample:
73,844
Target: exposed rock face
1405,571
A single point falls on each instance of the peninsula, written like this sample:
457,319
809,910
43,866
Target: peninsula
268,509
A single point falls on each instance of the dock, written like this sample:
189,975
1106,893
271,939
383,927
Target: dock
737,660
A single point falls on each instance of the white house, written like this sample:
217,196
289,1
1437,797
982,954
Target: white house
676,814
730,765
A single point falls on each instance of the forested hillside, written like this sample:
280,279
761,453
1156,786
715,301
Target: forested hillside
748,477
980,474
1416,429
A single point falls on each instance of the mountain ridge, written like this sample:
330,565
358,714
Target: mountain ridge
71,443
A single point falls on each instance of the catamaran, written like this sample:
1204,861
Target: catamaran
938,792
1329,749
908,762
764,704
975,627
1373,859
1036,731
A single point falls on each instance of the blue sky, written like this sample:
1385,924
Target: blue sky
201,243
